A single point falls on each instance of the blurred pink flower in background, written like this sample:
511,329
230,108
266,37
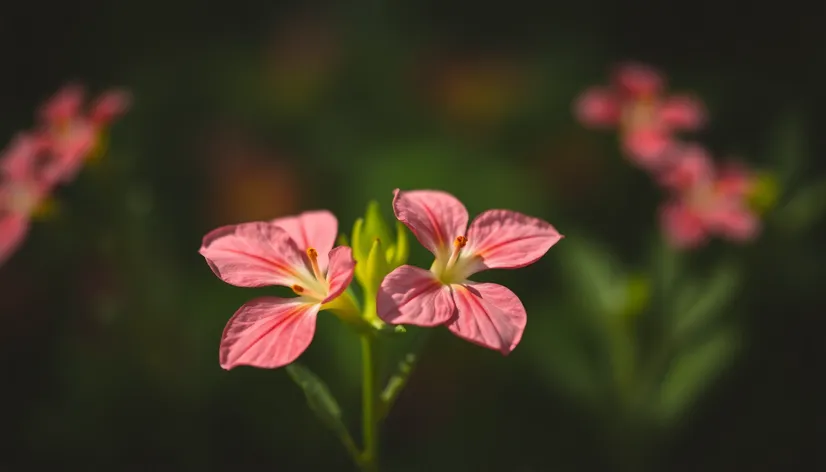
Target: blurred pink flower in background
73,132
35,162
706,200
22,190
646,118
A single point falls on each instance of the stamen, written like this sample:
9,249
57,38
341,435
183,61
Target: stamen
458,244
298,289
313,255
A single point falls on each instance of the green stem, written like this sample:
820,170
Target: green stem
405,368
370,419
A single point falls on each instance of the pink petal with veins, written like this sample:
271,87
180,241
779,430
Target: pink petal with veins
489,315
316,229
509,240
410,295
598,107
340,272
436,218
253,255
268,332
682,112
683,227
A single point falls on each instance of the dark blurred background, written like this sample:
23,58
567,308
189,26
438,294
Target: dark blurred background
252,110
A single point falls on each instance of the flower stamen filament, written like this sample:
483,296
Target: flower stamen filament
458,244
312,254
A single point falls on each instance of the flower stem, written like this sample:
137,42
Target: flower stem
370,419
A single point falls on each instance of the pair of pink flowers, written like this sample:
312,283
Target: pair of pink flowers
297,252
37,161
703,200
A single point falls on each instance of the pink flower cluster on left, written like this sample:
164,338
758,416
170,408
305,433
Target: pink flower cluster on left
38,160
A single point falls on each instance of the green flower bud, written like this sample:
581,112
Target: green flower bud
375,252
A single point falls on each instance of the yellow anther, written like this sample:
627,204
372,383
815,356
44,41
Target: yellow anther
298,289
460,242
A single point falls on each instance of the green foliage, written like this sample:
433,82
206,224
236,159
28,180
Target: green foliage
319,397
691,371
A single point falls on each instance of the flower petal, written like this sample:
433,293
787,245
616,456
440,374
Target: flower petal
638,80
340,272
268,332
598,107
13,230
435,217
683,227
506,239
682,112
109,106
64,105
253,255
489,315
647,146
734,223
734,180
410,295
316,229
690,165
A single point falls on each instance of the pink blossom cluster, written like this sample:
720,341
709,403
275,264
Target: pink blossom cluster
704,199
38,160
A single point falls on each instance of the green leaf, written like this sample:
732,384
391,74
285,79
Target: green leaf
559,353
691,371
804,208
598,281
319,398
696,304
787,146
667,263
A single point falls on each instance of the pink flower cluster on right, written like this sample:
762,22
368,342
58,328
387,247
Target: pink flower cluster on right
704,198
37,161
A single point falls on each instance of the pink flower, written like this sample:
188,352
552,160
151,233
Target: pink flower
647,120
73,132
486,314
295,252
22,189
706,201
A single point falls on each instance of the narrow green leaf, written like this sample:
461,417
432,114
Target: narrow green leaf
805,207
691,371
319,398
788,146
697,304
560,354
598,282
